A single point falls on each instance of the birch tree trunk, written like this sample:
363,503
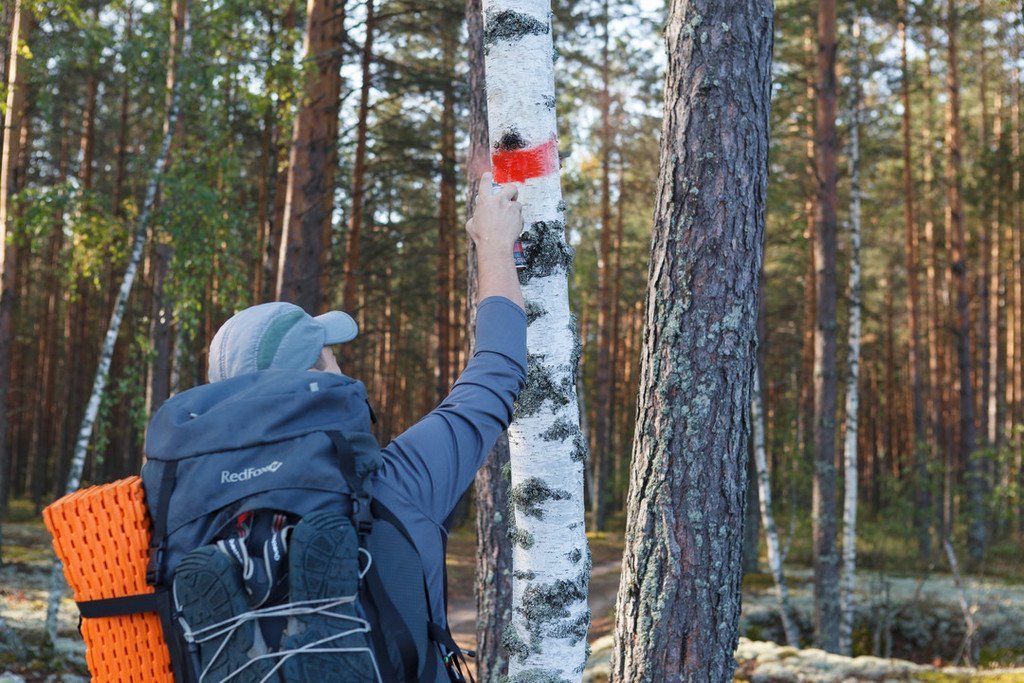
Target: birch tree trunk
826,560
493,584
771,533
849,583
109,341
679,598
550,559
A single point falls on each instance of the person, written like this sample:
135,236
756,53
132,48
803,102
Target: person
426,469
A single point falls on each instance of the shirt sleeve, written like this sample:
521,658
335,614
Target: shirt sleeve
433,462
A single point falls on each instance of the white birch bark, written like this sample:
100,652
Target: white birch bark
107,353
771,533
846,595
551,560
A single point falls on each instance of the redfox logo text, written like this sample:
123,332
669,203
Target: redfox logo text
248,473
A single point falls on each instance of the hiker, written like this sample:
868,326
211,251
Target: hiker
420,478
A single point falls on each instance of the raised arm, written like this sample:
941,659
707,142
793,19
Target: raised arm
433,462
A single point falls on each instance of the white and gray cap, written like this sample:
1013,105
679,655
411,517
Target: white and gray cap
275,335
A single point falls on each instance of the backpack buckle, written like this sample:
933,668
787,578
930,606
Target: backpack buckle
156,561
362,517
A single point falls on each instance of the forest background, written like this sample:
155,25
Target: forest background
92,112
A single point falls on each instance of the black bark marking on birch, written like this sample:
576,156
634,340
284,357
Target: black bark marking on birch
545,250
546,608
529,495
524,576
519,537
549,102
581,449
515,645
534,311
540,386
511,141
562,206
510,25
560,430
575,556
536,676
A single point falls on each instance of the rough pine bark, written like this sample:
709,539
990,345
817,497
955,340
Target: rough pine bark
551,560
311,166
679,598
446,216
493,583
121,303
826,559
850,472
976,531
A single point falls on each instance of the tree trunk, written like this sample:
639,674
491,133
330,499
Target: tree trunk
493,584
446,218
21,28
847,595
550,554
920,446
102,372
309,198
359,168
679,598
603,380
826,559
1013,410
976,530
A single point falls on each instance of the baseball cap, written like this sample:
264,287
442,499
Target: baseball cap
275,335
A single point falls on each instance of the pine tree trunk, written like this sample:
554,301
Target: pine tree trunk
922,501
445,251
311,167
551,559
21,28
493,584
976,531
847,595
1012,409
355,224
679,598
826,559
602,415
102,372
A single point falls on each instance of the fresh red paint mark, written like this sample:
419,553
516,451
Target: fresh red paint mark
517,165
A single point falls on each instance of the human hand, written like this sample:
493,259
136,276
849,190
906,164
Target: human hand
497,220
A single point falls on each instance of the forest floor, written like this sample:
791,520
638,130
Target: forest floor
913,621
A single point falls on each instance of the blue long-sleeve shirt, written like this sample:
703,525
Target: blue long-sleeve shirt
429,466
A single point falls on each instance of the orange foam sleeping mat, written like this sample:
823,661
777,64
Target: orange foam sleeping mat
101,535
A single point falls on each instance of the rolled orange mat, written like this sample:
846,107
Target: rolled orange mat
101,534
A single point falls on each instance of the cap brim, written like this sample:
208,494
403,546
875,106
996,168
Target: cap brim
339,327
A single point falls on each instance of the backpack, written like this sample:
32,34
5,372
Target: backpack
242,461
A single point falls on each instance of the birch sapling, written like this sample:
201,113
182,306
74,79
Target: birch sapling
551,560
107,352
771,532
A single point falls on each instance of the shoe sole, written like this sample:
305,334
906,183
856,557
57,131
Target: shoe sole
209,591
323,562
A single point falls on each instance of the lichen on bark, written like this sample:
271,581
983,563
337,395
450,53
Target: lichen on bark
540,387
545,250
509,25
531,494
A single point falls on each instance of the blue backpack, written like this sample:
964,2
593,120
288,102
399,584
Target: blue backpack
241,468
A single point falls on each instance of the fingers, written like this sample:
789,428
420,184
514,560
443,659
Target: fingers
509,192
486,178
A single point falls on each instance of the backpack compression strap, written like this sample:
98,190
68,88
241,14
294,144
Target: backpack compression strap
362,516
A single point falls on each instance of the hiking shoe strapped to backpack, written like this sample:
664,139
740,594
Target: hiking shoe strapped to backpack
208,595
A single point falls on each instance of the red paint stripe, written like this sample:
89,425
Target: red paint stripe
517,165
